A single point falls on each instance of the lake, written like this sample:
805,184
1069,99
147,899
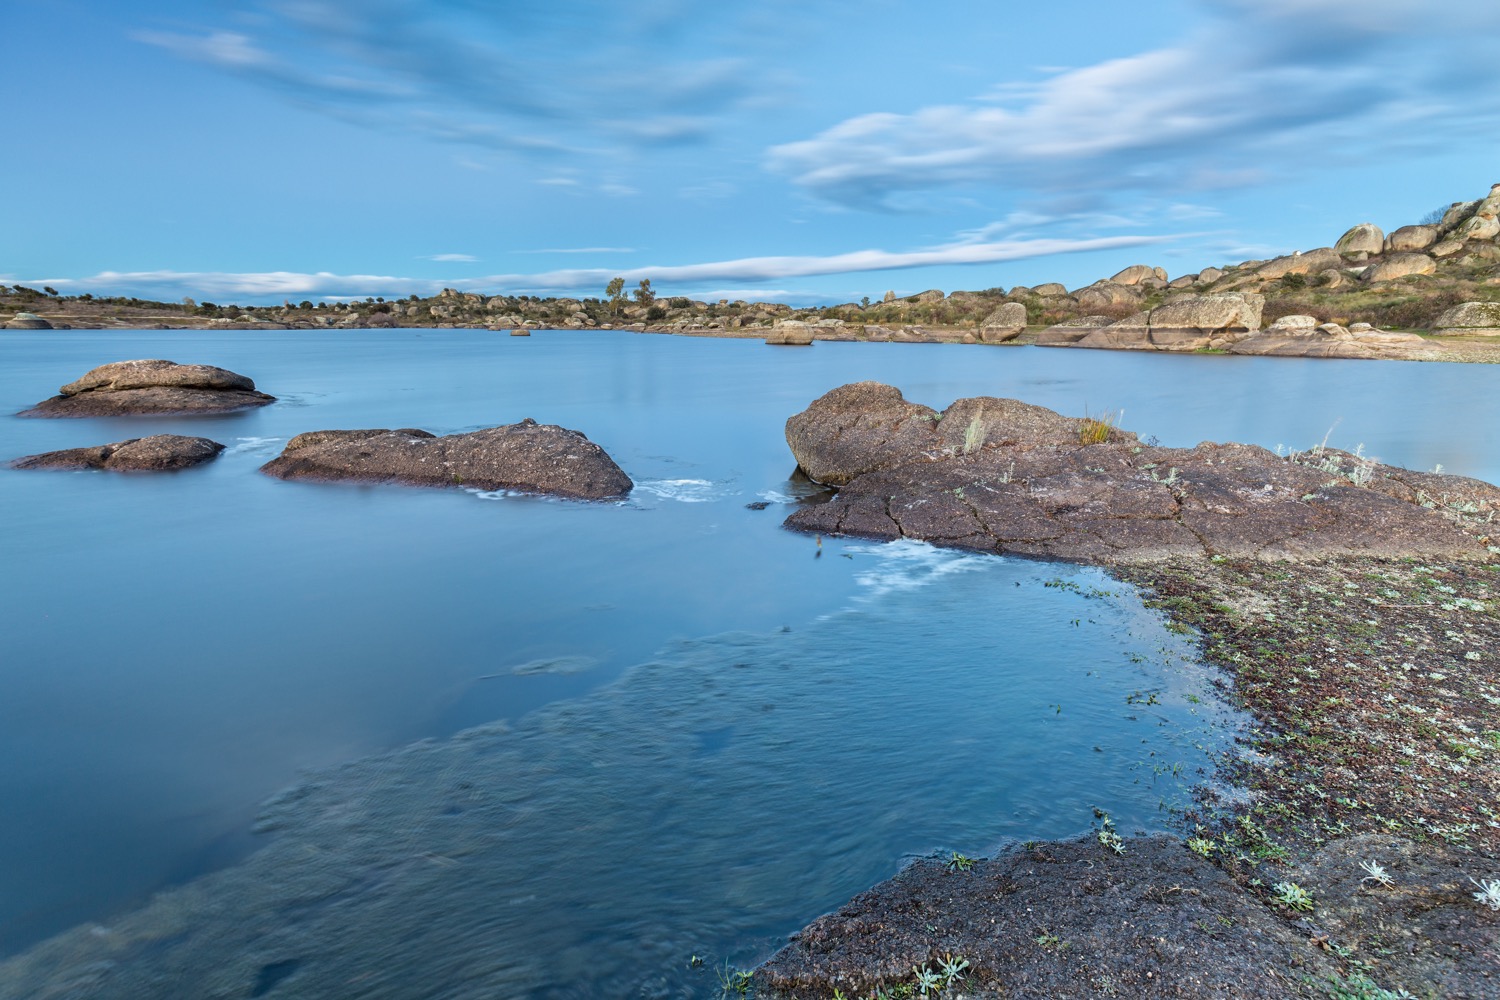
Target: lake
559,749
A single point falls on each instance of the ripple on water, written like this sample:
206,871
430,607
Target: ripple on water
708,803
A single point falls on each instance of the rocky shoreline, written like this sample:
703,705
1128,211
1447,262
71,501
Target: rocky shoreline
1360,860
1428,291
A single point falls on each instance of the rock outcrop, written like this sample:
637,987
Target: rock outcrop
27,321
1186,323
1363,238
1300,263
1005,323
526,457
1305,337
1409,239
1018,478
1470,319
152,387
157,453
791,333
1399,265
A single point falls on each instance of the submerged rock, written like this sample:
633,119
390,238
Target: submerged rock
1004,476
527,457
157,453
151,387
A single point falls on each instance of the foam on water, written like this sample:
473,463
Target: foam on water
254,445
906,564
686,490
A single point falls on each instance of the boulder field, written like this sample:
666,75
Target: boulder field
157,453
153,386
527,457
999,475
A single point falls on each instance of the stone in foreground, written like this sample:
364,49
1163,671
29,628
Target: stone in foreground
157,453
999,475
152,387
527,457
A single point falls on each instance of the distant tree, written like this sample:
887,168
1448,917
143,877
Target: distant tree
188,303
864,303
643,293
304,304
49,290
615,290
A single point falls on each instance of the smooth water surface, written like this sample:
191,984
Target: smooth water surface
175,648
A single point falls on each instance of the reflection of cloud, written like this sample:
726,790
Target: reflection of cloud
1257,78
584,74
275,284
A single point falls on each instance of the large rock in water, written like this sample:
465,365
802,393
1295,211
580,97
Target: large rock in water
527,457
791,333
157,453
1022,482
868,426
1470,319
151,387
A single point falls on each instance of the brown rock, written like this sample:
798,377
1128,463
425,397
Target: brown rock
1106,295
1304,263
1411,238
151,387
1365,237
527,457
791,333
1135,274
27,321
1072,331
1007,477
1470,319
157,453
1399,265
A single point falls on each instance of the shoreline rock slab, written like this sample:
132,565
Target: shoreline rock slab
27,321
1015,478
152,386
1470,319
527,457
157,453
1305,337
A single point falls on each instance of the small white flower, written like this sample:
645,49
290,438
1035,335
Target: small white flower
1375,872
1489,892
1471,655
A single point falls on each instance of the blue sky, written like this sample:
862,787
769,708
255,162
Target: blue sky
810,151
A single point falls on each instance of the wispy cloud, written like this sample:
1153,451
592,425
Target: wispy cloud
579,75
272,285
450,258
1255,79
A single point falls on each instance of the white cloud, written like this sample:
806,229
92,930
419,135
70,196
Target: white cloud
450,258
279,284
1254,80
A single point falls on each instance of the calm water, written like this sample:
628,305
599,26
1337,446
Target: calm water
174,649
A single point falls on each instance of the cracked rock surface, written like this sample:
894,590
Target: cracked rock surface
151,386
527,457
999,475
